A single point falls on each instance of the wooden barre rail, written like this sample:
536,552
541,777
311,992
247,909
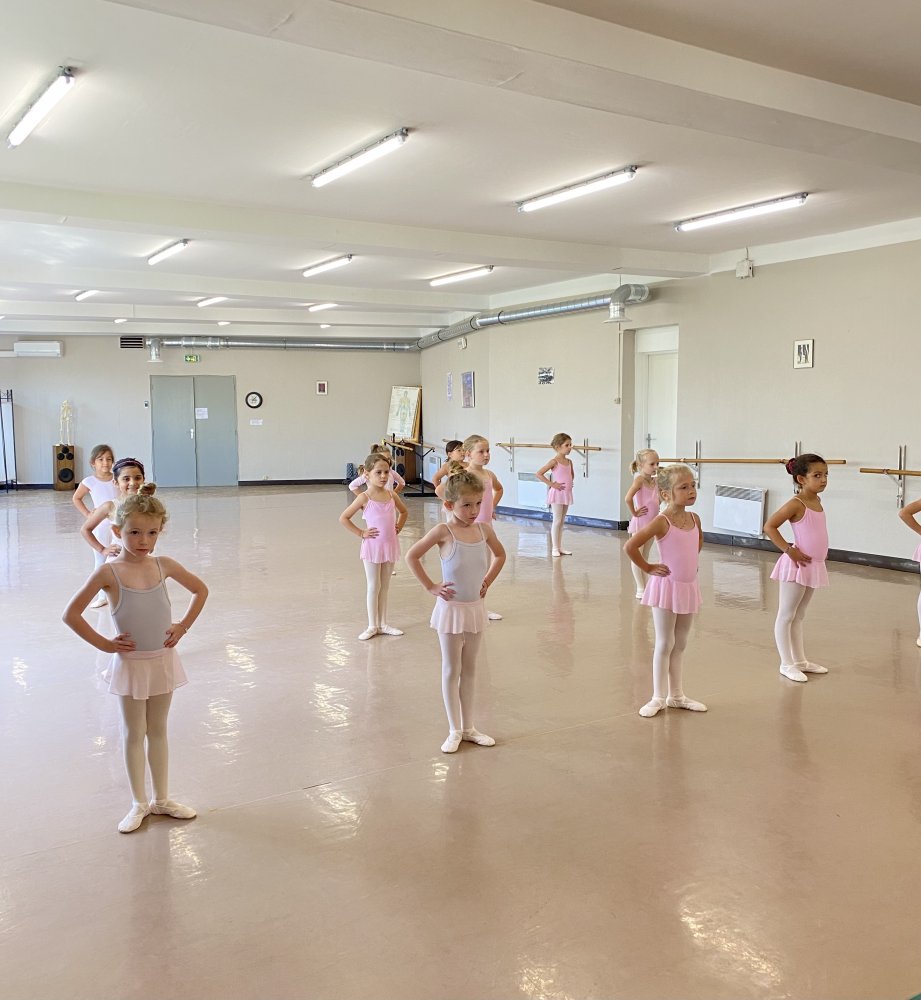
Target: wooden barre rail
892,472
546,447
743,461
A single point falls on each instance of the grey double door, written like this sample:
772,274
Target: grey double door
194,429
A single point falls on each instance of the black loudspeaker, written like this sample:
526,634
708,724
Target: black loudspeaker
404,462
63,464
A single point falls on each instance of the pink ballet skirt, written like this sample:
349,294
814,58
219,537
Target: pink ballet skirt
648,497
679,591
142,675
455,617
917,555
810,536
385,548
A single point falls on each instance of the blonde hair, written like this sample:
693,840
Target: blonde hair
471,442
559,440
461,483
139,503
665,481
641,457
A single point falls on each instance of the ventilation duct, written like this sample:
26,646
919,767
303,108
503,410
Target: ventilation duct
281,344
613,301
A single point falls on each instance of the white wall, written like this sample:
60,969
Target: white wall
303,435
737,390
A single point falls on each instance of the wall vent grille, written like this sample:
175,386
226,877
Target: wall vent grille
131,343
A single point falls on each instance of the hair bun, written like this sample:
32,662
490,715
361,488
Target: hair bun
788,465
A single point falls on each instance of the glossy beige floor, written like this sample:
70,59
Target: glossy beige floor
770,848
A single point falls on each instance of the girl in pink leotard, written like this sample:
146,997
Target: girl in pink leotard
907,514
385,514
559,486
801,568
672,590
642,500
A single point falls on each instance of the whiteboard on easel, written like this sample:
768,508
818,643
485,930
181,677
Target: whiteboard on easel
405,416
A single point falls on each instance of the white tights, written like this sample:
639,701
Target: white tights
919,620
788,629
378,575
638,575
458,677
146,720
672,632
556,528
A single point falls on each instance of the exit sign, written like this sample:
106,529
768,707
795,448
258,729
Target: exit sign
193,359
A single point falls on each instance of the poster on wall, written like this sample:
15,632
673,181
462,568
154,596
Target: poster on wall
449,386
803,353
467,393
545,376
405,412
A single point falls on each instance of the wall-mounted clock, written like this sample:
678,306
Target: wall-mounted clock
254,400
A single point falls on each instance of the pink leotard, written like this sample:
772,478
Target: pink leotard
648,497
381,514
810,536
561,473
395,480
679,591
486,507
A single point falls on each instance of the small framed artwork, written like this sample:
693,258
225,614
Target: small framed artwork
803,353
467,391
322,388
449,385
545,376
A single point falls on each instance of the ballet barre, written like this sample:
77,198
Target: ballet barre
583,450
897,475
697,461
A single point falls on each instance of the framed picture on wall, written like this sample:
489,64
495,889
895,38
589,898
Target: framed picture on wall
467,391
803,353
322,388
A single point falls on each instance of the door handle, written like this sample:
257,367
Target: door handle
192,433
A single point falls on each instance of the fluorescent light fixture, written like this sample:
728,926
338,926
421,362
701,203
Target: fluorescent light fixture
320,306
590,186
745,212
328,265
449,279
155,258
223,322
323,326
41,107
358,159
80,296
121,319
213,301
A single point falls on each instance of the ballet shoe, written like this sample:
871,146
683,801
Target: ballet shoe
452,743
167,807
369,633
556,553
793,673
639,594
918,641
682,701
565,552
475,736
652,708
136,815
494,616
811,668
389,630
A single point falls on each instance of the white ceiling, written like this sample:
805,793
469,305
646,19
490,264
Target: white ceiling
203,119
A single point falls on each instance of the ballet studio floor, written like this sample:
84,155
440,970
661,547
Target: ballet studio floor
769,848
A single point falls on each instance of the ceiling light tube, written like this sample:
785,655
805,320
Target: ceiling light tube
744,212
449,279
41,107
80,296
611,179
121,319
323,326
320,306
363,156
213,301
328,265
223,322
155,258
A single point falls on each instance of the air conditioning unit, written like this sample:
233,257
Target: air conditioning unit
38,349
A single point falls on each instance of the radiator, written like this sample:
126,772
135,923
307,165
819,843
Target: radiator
739,510
532,493
433,463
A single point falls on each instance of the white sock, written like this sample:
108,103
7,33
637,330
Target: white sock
808,667
652,708
389,630
683,701
369,633
167,807
794,673
481,739
453,741
134,818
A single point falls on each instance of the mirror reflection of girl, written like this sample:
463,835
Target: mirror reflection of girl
144,668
